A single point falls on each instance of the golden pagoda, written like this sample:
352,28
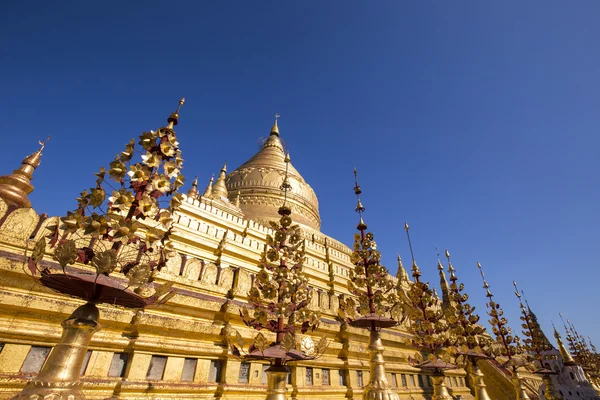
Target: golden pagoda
180,349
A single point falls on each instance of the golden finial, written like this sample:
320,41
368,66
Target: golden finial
15,188
220,187
275,128
237,200
208,191
193,192
564,353
360,209
416,273
440,266
174,117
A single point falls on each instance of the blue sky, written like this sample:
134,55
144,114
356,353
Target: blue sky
476,122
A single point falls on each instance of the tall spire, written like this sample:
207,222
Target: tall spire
275,128
285,185
15,188
174,117
566,356
444,283
360,209
402,274
209,188
416,273
219,188
193,192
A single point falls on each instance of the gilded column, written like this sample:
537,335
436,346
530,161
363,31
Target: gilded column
59,378
378,387
477,379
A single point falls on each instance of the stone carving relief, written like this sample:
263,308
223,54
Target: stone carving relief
243,282
19,225
209,275
174,264
226,278
192,269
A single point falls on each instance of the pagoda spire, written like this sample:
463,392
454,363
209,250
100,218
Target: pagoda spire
275,128
174,117
416,273
193,192
444,283
219,188
566,356
15,188
402,274
209,188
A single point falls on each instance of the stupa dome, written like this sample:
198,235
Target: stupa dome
258,182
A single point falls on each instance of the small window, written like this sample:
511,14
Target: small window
359,378
244,376
156,369
454,381
394,380
412,380
342,378
462,381
325,376
35,359
403,379
309,376
86,361
214,374
1,347
118,365
290,373
420,377
189,369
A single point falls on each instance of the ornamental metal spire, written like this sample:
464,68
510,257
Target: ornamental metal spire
174,117
360,209
285,185
511,346
416,273
564,353
373,287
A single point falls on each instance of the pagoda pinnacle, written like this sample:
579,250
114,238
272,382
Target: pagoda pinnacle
15,188
402,274
360,209
193,192
208,191
275,128
220,189
564,353
444,285
174,117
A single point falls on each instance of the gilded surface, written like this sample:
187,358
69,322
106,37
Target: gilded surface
218,248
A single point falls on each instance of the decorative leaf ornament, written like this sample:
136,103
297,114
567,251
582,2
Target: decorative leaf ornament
427,321
280,295
509,348
123,223
373,289
468,335
534,342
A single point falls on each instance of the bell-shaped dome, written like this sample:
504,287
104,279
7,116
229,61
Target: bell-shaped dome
258,183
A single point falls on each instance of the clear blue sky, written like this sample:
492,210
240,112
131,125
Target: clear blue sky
476,122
